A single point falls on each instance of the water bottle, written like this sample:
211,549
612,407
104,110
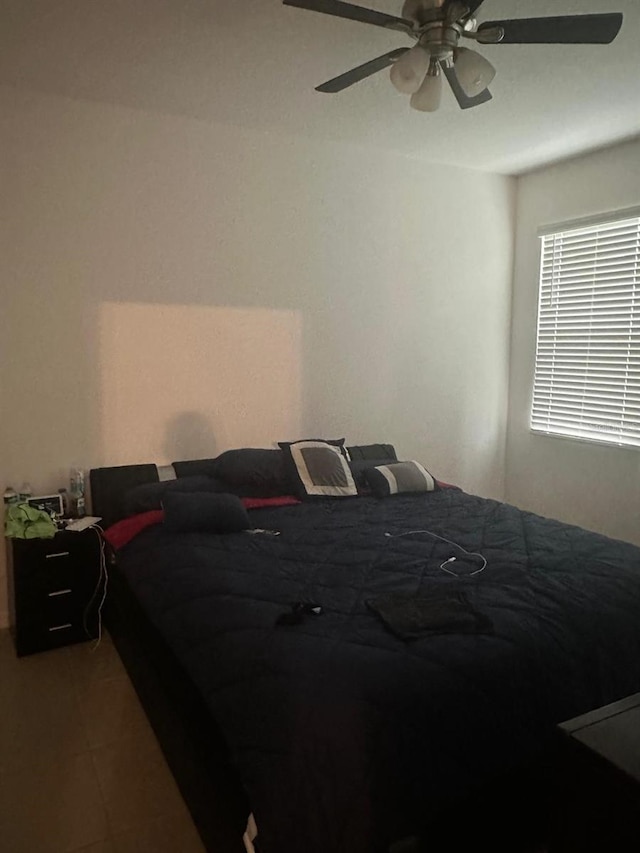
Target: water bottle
76,480
64,495
26,492
80,506
10,496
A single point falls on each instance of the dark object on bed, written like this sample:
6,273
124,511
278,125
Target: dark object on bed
204,512
346,737
150,496
447,611
298,612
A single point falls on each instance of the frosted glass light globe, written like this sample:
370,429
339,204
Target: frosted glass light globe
428,97
408,72
475,73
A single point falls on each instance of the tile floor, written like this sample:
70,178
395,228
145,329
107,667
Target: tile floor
80,768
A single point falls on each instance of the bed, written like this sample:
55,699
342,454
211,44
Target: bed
337,733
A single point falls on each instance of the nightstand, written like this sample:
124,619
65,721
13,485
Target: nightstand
599,792
51,584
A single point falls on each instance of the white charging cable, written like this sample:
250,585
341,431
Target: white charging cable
103,581
451,559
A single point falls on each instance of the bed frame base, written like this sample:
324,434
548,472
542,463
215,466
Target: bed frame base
194,749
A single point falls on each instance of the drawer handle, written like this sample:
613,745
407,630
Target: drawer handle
59,592
61,554
61,627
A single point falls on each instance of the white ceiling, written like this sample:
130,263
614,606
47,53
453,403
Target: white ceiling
255,63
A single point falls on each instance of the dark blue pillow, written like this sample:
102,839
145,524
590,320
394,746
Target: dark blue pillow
253,472
204,512
149,496
372,452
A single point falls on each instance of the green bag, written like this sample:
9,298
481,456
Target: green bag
23,521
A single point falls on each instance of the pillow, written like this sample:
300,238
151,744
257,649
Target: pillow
319,469
359,468
149,496
373,452
334,442
254,472
204,512
399,478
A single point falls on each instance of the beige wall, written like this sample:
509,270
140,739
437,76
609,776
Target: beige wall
172,288
595,486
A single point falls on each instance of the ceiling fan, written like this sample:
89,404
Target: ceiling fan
438,27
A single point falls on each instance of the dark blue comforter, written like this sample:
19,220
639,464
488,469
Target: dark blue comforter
343,733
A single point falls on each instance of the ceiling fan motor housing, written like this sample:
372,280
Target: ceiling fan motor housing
441,39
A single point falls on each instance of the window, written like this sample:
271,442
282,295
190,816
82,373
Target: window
587,371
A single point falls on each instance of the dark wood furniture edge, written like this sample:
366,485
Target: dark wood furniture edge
591,718
590,755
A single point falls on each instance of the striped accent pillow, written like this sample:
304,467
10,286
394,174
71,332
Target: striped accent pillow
400,478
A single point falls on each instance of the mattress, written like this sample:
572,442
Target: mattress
346,735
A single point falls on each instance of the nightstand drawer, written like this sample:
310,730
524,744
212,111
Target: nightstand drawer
55,608
65,551
55,579
32,638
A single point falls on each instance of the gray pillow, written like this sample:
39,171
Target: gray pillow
399,478
359,468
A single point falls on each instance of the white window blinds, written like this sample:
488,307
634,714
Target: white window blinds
587,371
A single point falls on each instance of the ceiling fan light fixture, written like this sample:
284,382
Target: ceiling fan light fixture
408,72
475,73
428,97
411,8
438,26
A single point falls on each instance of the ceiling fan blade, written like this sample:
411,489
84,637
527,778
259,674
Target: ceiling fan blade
464,100
361,72
566,29
353,13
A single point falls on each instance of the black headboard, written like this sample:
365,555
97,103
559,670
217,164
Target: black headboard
109,485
